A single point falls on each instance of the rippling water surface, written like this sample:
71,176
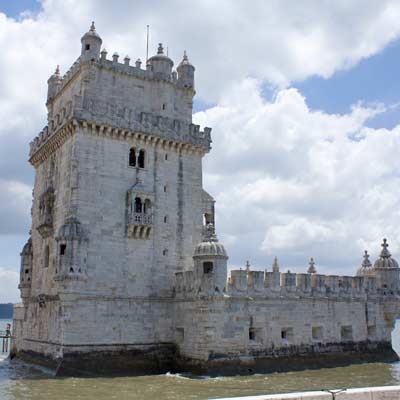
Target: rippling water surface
20,381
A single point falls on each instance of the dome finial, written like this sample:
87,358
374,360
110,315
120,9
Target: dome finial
185,57
311,268
385,252
57,71
247,265
160,49
92,27
366,263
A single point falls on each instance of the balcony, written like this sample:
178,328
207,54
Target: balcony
139,225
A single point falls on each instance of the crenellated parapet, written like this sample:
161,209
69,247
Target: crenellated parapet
81,94
287,284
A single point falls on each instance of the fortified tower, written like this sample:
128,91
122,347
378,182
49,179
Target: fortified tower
118,204
124,271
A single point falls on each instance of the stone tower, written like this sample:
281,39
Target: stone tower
118,204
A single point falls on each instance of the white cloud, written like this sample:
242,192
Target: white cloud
9,280
291,172
294,182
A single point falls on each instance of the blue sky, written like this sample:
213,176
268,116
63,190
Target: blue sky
13,8
266,95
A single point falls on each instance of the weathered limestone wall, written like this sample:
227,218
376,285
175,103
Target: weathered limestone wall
121,265
56,172
224,327
115,322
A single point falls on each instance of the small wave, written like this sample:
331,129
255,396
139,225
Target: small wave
191,376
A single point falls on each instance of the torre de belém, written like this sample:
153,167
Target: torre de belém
123,271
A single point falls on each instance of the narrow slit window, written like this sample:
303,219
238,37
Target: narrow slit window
46,256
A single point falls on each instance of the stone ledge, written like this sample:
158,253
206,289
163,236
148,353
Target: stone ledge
370,393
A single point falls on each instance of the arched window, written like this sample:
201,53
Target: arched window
132,157
138,205
147,206
141,158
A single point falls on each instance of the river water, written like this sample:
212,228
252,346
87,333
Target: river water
19,381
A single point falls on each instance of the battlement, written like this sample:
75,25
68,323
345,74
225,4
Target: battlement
242,283
155,101
115,66
301,284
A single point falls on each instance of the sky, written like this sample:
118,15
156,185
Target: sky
304,102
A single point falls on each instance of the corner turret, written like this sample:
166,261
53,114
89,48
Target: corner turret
386,269
25,280
186,74
210,264
91,45
54,84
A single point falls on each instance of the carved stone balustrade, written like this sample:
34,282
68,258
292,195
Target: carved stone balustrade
139,225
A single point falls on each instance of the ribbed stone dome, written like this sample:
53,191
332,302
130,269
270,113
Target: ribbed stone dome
385,260
210,245
71,229
210,249
27,249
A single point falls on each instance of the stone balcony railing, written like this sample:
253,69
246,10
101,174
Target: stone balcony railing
140,219
139,225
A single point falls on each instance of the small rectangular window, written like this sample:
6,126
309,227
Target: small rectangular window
287,335
346,333
63,247
252,334
87,47
255,335
371,332
208,267
317,333
180,334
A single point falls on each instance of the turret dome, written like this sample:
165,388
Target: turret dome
160,56
210,245
71,229
185,61
91,34
385,261
27,249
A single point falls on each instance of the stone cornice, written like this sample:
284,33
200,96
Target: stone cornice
94,128
53,141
